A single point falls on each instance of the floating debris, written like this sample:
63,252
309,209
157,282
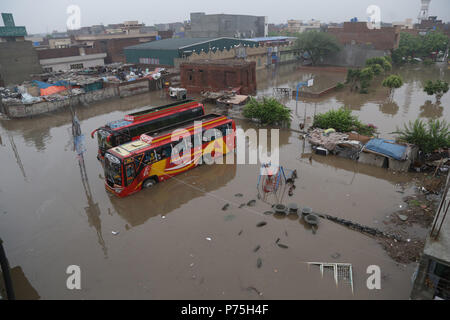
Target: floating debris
225,207
257,248
208,238
242,205
336,255
251,203
261,224
278,240
268,213
115,232
282,246
254,289
259,263
240,232
239,195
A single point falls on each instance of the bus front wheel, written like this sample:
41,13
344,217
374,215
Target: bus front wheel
149,183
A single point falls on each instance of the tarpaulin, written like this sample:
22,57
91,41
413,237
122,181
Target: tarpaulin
52,90
388,148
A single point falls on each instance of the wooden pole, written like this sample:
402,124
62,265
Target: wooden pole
6,275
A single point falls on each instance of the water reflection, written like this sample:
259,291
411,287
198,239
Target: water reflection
172,194
390,108
92,210
17,156
431,110
23,289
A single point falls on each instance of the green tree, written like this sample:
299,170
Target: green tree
392,82
438,88
317,44
267,111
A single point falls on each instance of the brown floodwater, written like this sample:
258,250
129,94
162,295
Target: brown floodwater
175,241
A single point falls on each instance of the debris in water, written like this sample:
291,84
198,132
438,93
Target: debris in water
259,263
261,224
254,289
282,246
239,195
240,232
278,240
268,213
257,248
115,232
191,265
402,217
251,203
241,205
336,255
225,207
208,238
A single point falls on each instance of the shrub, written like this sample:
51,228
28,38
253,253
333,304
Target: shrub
393,82
268,111
383,62
342,120
438,88
339,85
377,69
429,137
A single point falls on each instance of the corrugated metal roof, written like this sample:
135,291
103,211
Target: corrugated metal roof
175,43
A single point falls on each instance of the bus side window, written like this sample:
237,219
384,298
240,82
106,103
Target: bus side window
138,162
166,151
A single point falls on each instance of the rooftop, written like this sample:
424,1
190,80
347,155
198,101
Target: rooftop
176,43
227,62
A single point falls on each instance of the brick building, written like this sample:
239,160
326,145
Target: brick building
385,38
216,75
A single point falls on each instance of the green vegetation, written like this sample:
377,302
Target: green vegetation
393,82
340,86
428,137
438,88
418,46
317,44
342,120
268,111
361,78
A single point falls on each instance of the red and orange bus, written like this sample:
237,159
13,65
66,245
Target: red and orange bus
133,125
145,162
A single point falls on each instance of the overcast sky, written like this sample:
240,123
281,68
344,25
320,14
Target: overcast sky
47,15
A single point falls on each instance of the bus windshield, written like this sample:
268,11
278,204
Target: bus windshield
102,137
113,169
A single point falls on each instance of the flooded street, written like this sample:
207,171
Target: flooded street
175,241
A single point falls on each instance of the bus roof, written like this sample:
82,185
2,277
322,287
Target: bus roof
147,114
160,136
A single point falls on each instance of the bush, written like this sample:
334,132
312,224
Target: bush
339,85
377,69
268,111
393,82
383,62
438,88
429,137
342,120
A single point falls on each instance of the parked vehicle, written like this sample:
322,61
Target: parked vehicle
150,160
133,125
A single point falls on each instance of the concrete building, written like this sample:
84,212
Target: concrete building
18,58
217,75
404,25
297,26
226,25
433,275
352,33
72,58
164,52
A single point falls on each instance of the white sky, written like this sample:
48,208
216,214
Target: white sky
40,16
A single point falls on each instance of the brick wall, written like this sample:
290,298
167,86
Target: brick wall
219,75
358,33
114,48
